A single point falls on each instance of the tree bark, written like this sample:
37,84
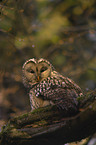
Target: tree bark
49,125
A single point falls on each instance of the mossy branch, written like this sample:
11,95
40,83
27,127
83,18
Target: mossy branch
48,125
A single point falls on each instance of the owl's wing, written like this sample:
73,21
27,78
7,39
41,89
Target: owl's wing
63,98
61,91
67,83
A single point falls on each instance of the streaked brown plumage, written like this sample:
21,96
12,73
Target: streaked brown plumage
49,87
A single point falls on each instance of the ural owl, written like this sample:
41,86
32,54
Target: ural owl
48,87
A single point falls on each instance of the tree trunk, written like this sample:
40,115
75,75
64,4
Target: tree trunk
49,125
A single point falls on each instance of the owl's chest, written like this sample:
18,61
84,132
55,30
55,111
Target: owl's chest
48,87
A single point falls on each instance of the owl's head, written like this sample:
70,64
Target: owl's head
35,71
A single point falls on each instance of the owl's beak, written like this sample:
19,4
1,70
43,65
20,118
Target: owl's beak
38,78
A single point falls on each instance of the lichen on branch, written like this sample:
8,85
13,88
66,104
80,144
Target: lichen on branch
49,125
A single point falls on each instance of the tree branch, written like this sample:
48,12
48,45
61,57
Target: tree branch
48,125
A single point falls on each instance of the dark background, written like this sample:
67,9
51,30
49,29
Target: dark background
62,31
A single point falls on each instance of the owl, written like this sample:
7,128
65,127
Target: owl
48,87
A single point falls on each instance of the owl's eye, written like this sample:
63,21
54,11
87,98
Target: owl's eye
43,69
31,71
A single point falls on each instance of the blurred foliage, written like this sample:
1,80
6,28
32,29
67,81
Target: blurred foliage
62,31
